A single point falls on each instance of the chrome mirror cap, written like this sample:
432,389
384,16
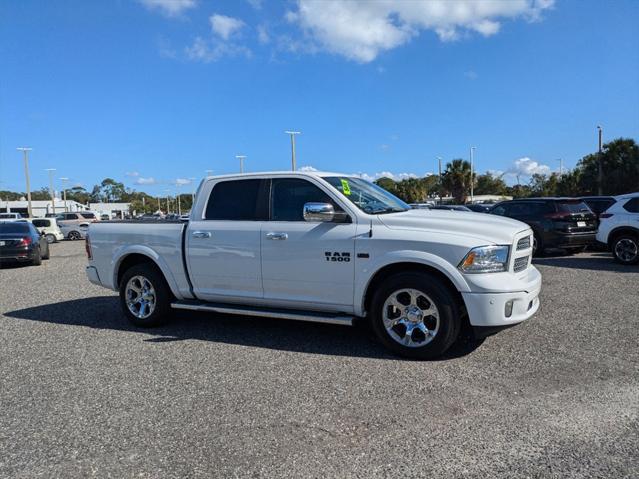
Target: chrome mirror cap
319,212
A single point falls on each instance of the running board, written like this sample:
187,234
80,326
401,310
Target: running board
316,317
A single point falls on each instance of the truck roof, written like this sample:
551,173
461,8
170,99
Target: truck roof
315,174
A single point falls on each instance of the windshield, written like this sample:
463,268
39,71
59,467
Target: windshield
367,196
14,228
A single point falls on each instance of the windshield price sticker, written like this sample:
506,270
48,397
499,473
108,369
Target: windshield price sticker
345,188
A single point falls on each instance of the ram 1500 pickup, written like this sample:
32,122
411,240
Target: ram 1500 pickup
323,247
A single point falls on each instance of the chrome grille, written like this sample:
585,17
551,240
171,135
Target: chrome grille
523,243
520,264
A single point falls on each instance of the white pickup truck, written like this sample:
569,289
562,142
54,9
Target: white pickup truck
323,247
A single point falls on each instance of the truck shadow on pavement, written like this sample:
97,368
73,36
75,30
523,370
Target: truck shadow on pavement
593,261
103,312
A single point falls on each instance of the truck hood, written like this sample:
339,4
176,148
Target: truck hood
490,229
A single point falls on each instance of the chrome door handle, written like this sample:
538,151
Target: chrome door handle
201,234
276,236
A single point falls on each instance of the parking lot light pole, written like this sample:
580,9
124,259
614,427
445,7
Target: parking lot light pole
25,150
64,192
441,184
51,190
293,160
472,174
241,158
600,164
561,167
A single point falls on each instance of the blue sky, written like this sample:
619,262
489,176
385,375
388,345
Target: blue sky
153,91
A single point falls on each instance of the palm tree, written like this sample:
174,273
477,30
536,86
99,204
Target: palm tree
456,179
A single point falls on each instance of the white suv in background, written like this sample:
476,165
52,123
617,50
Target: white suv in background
619,228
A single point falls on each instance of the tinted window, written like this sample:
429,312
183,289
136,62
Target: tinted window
288,196
632,205
20,228
41,223
499,210
87,215
573,207
70,216
600,205
234,200
526,209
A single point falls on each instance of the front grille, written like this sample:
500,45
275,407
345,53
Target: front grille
520,264
523,243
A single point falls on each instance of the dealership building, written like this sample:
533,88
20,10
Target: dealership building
40,208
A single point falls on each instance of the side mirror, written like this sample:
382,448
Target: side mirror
319,212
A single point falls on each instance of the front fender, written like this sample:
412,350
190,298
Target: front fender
365,275
121,253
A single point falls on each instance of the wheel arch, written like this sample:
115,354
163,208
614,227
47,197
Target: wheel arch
620,230
132,258
408,266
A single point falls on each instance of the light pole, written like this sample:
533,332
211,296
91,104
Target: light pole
168,205
51,190
561,167
472,174
177,188
293,134
600,163
64,192
193,193
241,158
25,150
441,184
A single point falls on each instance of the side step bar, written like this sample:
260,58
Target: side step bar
316,317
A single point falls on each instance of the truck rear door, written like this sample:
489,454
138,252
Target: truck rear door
223,244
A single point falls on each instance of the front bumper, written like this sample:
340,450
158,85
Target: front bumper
488,309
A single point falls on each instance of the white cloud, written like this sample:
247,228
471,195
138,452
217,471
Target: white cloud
308,168
256,4
224,26
262,34
471,74
132,174
170,8
374,176
361,30
182,181
145,181
528,167
212,50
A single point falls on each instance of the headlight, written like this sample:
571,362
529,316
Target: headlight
486,259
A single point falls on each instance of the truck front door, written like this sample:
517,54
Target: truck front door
306,264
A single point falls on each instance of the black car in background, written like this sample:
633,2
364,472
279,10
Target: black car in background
480,207
449,207
566,223
598,204
20,241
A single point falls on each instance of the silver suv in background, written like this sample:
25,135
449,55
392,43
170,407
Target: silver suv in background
76,217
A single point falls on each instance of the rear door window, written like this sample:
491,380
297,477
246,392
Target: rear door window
236,200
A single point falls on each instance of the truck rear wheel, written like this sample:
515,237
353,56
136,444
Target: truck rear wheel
144,296
415,316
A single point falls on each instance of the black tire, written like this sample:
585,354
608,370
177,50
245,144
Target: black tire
443,299
47,253
538,245
50,238
37,257
74,235
625,249
162,309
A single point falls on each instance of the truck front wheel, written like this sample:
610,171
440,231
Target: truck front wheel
145,296
415,316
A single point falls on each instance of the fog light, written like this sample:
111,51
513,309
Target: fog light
508,310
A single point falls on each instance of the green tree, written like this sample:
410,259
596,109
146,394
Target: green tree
456,179
620,165
488,184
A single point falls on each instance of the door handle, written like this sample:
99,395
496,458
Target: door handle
201,234
276,236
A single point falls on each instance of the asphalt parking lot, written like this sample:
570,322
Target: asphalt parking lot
84,394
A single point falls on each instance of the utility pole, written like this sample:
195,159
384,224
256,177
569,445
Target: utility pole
600,162
441,183
64,192
159,205
192,193
25,150
472,174
177,187
561,167
51,190
293,160
241,158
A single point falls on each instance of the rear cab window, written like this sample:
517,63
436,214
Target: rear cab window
237,200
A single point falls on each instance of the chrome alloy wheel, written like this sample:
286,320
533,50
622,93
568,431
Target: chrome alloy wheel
626,250
411,318
140,297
